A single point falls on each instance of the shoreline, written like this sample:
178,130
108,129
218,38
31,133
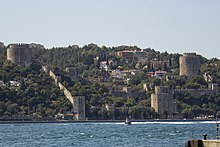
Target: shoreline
101,121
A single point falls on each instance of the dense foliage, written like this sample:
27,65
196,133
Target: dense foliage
35,95
38,95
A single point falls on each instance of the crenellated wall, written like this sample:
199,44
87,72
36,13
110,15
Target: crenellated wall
78,102
66,92
196,93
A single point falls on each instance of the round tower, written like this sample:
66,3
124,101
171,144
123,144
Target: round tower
19,54
189,64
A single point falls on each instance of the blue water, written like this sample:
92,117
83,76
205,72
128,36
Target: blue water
147,134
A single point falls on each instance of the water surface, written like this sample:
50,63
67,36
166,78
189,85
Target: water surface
147,134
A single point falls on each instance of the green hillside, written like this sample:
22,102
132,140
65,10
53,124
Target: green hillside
37,94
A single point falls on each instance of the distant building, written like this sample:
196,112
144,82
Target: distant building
104,65
162,100
140,56
126,54
19,54
14,83
150,74
207,77
159,74
189,64
157,65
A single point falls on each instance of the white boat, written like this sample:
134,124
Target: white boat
127,121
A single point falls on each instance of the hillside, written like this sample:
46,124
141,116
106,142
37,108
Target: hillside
28,91
111,84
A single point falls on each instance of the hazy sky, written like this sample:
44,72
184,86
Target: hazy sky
165,25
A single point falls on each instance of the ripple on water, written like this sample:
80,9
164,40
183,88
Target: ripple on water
103,134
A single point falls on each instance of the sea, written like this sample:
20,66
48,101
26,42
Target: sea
105,134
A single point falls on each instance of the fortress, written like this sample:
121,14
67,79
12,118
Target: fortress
19,54
162,100
189,64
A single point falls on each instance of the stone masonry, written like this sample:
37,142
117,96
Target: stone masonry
189,64
78,102
19,54
162,100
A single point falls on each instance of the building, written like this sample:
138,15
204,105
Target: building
126,54
160,74
162,100
104,65
189,64
19,54
140,56
157,65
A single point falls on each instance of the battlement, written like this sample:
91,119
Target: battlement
197,93
194,90
189,54
18,45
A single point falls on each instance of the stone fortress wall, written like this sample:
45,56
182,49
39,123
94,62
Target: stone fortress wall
19,54
78,102
189,64
162,100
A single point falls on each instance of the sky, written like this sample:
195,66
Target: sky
175,26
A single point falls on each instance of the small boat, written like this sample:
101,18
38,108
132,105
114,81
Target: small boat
127,121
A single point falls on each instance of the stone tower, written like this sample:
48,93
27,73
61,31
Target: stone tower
79,107
162,100
189,64
19,54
